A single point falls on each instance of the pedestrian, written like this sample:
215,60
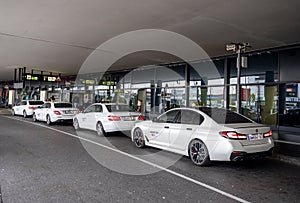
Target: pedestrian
52,98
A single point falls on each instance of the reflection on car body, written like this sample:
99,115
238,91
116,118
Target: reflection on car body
205,134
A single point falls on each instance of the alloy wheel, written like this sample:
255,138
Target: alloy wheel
199,153
138,138
99,129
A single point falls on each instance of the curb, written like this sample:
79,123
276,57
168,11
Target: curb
286,159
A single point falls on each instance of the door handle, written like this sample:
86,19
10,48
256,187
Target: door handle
189,128
167,127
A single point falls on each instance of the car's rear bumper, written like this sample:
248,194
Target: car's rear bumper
241,156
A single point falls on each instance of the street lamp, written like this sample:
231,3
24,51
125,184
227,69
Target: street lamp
238,48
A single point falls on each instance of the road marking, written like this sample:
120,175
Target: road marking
141,160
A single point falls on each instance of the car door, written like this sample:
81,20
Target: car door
160,128
182,130
83,118
17,108
92,116
45,111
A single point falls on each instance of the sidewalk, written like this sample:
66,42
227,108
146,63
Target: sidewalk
5,111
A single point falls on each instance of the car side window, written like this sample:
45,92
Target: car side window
168,117
48,105
189,117
23,103
98,108
90,109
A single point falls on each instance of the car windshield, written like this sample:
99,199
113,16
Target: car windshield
117,108
36,102
223,116
62,105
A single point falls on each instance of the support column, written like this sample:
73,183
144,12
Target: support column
187,85
226,83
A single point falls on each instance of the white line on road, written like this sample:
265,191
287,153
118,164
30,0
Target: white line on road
141,160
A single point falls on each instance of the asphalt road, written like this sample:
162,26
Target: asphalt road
56,164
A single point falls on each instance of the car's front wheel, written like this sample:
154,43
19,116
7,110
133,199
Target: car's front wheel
100,130
138,138
76,124
48,120
34,117
198,153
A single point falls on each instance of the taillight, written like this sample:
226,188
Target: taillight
114,118
31,107
233,135
268,134
141,117
57,112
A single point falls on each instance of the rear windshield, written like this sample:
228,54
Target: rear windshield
118,108
62,105
36,102
223,116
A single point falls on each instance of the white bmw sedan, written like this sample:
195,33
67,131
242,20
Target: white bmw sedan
25,107
54,112
108,117
205,134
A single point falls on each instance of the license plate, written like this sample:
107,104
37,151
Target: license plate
69,112
255,137
128,118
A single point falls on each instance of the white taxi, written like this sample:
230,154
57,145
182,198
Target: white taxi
25,107
54,112
108,117
205,134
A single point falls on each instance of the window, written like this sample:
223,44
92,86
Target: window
223,116
98,108
168,117
63,105
90,109
36,102
46,105
23,103
190,117
117,108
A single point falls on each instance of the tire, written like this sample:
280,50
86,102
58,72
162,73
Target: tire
100,130
24,114
48,120
13,112
198,153
138,138
76,124
34,117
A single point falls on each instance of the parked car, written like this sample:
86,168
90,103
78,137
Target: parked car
205,134
291,118
54,112
25,107
107,117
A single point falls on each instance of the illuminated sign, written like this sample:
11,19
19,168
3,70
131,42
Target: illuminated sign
49,78
108,83
88,82
31,77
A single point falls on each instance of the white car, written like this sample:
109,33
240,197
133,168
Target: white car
54,112
26,107
205,134
109,117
